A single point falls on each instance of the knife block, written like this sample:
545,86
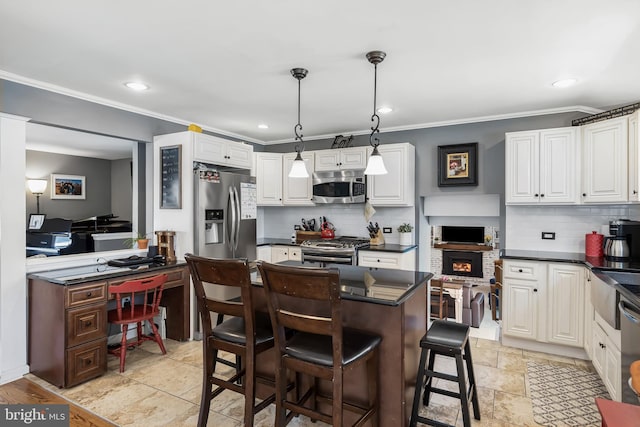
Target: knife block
378,240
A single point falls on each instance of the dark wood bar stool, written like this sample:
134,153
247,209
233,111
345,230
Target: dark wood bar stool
245,334
307,301
452,340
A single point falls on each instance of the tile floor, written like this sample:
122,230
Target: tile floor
158,390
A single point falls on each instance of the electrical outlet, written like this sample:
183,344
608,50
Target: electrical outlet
548,235
386,230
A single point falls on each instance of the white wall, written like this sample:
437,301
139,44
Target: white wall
525,224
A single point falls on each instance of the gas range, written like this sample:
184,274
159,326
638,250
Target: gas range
338,250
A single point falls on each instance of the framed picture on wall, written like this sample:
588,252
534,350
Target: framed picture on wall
68,187
458,165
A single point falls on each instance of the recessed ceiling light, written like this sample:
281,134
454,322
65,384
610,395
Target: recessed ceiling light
385,110
263,126
136,86
564,83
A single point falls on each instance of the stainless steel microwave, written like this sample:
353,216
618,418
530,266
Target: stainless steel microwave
348,186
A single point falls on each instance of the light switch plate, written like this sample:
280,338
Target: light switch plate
548,235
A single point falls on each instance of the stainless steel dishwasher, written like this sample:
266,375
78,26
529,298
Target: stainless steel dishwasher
630,348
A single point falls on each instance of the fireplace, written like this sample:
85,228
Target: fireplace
462,263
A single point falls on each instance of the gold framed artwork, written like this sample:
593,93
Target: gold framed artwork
458,165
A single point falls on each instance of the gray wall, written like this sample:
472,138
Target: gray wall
121,189
41,165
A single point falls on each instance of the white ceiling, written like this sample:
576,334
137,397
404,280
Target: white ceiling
225,65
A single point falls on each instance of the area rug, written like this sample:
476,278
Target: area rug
564,395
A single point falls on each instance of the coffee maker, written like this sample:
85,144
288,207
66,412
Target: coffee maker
624,242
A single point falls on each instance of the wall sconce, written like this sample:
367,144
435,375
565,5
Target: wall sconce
37,187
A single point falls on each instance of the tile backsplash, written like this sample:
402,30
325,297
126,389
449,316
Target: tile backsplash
349,220
525,224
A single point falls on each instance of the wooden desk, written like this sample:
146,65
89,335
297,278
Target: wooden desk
67,327
618,414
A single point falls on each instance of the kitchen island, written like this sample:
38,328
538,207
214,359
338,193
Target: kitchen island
392,304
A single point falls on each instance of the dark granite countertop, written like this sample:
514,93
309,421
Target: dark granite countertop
373,285
274,241
599,263
89,273
390,247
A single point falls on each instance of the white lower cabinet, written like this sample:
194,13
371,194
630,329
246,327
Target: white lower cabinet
544,302
285,253
606,357
391,260
263,253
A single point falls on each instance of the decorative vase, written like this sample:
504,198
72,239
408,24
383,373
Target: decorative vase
143,243
406,239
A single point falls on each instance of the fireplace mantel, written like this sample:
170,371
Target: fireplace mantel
462,247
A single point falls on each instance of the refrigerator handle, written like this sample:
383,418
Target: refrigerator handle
231,225
236,239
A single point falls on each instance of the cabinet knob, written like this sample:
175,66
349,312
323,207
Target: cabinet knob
378,260
535,195
519,270
584,194
535,289
635,192
542,195
89,294
87,323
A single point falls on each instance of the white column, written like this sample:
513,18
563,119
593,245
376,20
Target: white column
13,285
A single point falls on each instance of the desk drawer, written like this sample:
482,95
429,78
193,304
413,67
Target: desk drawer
86,324
86,294
522,270
85,362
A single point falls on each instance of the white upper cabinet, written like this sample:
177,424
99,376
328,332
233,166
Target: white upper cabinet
218,151
298,191
604,161
342,158
269,179
396,188
274,186
634,160
542,167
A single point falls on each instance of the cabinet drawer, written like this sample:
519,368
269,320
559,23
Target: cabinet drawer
86,294
86,324
391,260
522,270
86,361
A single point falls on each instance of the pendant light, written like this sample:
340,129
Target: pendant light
298,168
375,166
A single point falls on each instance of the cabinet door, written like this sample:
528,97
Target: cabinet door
604,161
297,191
612,371
279,254
210,149
353,158
520,315
559,166
564,308
239,154
269,179
294,253
522,168
263,253
598,342
397,187
327,160
634,160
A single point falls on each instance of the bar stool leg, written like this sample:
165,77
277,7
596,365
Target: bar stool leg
429,380
472,381
419,383
464,401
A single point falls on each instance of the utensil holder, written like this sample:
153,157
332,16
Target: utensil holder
378,240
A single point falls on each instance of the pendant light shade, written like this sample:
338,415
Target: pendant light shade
298,168
375,165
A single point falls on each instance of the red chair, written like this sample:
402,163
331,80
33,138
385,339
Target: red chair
149,292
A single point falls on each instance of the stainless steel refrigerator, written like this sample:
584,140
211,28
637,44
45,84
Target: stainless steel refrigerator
225,213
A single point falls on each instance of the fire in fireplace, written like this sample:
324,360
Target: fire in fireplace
462,263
